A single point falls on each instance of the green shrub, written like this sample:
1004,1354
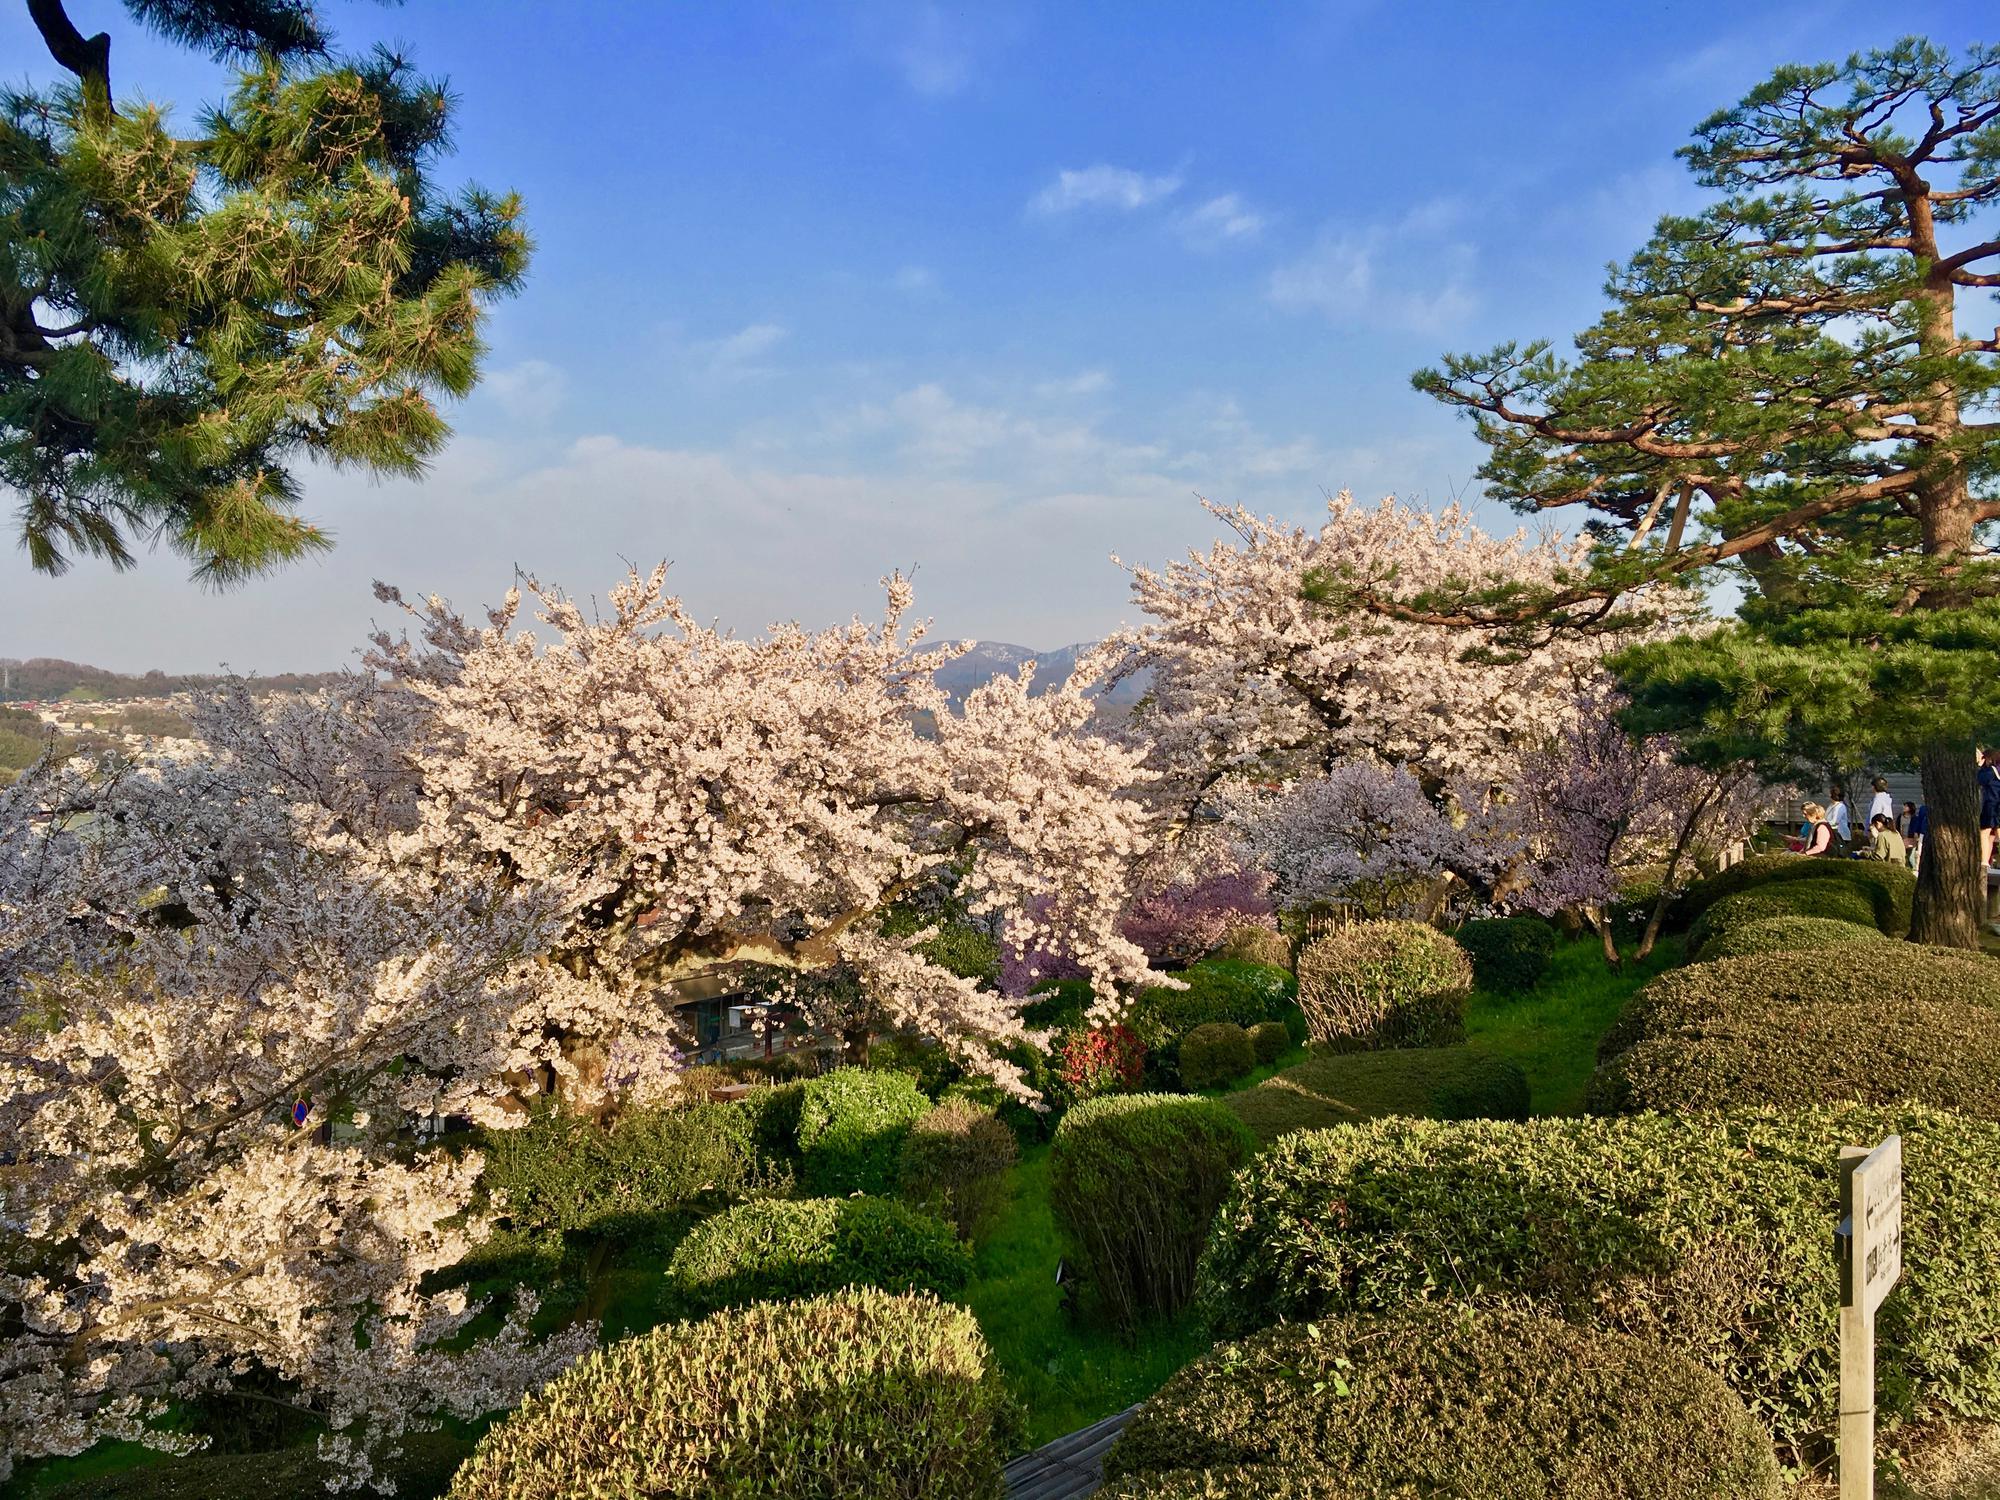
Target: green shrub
1257,1482
934,1069
1793,935
1270,1040
1384,984
784,1248
1829,900
1891,889
1497,1405
1340,1088
1508,954
1216,1053
955,1163
1133,1182
1709,1233
851,1128
652,1172
424,1467
1217,989
861,1393
1256,945
1833,978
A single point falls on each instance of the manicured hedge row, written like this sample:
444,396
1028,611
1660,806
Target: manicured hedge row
1384,984
1829,900
1498,1405
1791,934
1710,1233
782,1248
851,1128
1133,1182
1508,954
1439,1083
1216,1053
862,1393
1258,1482
1891,889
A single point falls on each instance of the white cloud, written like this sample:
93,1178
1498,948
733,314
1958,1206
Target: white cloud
528,391
1410,275
1223,219
917,281
1102,186
731,358
1071,387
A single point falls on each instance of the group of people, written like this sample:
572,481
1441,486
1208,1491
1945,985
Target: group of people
1890,834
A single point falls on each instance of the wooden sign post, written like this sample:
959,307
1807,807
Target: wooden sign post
1869,1244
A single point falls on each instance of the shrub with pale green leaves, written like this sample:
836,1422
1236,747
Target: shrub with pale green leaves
1891,890
851,1125
785,1248
1795,934
955,1163
1384,984
1216,1054
1256,945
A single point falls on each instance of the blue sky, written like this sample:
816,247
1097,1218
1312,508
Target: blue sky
989,291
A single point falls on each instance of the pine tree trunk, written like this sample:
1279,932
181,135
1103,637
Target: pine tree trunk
1951,882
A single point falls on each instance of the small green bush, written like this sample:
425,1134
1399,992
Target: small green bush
934,1069
861,1393
1709,1233
1133,1182
1270,1040
1793,935
1340,1088
1216,1053
1384,984
1498,1405
1829,900
1256,1482
955,1163
1256,945
1509,954
851,1128
783,1248
1891,889
1217,989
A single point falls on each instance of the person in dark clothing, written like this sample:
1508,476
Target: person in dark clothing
1920,824
1989,804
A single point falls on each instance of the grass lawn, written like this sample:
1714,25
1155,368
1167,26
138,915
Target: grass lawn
1445,1082
1552,1032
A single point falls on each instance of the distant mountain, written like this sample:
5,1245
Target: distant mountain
989,659
45,679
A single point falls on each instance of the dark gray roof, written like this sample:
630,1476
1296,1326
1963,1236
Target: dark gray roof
1068,1468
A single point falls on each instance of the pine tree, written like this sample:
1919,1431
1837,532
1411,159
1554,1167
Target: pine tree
184,318
1780,391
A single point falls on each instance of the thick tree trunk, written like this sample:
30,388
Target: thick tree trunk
1951,882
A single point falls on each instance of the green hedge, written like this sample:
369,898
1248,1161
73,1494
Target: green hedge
1259,1482
1829,900
955,1163
1218,989
1270,1040
1217,1053
1891,890
1133,1182
1832,978
1797,935
851,1128
1509,954
1496,1405
785,1248
1265,946
1384,984
1710,1233
1341,1088
861,1393
424,1468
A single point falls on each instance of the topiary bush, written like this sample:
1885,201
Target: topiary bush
851,1128
1256,1482
1498,1405
1256,945
783,1248
1215,1054
1709,1233
1216,989
1792,935
1270,1040
955,1163
1439,1083
1829,900
861,1393
1133,1182
1891,889
1509,954
1384,984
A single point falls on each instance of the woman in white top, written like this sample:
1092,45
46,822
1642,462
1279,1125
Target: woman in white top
1883,805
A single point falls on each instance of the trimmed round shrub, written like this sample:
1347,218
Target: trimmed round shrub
1215,1054
1508,954
851,1128
785,1248
1448,1401
955,1163
1340,1088
1833,978
1792,935
1270,1040
862,1393
1891,889
1256,945
1384,984
1829,900
1217,989
1259,1482
1133,1182
1709,1233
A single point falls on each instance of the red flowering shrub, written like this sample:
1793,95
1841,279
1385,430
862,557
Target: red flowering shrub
1108,1060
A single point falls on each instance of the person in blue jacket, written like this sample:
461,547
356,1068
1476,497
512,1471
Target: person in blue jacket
1989,804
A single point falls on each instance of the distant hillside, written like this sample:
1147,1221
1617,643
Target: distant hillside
989,659
44,679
